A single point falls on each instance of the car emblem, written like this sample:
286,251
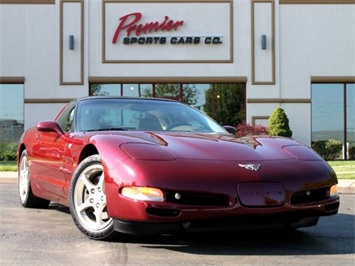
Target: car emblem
250,166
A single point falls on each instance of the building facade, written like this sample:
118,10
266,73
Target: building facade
236,60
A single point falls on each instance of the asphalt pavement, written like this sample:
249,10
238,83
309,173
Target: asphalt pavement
344,186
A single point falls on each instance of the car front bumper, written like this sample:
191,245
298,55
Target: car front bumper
279,218
217,225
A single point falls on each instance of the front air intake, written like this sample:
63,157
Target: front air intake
196,198
307,196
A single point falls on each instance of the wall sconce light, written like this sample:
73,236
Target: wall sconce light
71,42
263,41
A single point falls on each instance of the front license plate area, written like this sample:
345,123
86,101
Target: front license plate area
261,194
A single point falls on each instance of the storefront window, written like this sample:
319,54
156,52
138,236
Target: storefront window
350,125
196,95
137,90
11,114
226,103
333,115
105,90
223,102
168,91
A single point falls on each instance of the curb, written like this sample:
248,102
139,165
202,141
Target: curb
345,186
8,177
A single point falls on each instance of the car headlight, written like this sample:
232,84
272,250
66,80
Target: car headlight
143,193
333,191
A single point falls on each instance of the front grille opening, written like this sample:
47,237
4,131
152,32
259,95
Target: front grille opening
196,198
310,195
332,207
163,212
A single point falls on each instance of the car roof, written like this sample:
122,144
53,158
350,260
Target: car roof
90,98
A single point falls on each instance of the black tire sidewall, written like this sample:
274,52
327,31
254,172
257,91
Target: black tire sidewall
31,200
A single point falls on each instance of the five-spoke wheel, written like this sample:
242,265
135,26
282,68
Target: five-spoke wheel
88,200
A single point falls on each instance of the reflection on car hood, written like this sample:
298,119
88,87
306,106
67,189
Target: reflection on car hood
221,146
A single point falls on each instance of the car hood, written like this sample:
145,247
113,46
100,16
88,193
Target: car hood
194,146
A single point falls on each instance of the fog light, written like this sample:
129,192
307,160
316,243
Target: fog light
143,193
186,224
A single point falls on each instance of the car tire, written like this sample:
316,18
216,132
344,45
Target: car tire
27,198
88,200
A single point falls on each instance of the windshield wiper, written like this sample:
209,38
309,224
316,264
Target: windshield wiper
107,129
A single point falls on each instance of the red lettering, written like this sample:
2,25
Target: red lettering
129,22
123,25
170,25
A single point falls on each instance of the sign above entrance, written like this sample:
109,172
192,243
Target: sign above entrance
130,23
173,32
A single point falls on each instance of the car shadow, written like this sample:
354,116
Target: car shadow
58,207
304,241
333,235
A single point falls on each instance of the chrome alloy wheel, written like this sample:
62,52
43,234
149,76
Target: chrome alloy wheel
23,179
90,199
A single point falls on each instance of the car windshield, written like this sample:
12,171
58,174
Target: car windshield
100,114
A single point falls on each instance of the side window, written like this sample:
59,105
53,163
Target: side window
66,117
70,118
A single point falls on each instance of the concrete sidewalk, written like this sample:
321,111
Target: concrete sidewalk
345,186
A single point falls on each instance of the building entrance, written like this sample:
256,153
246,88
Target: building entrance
225,102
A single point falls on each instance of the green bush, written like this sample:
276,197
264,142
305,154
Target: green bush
329,149
352,153
8,156
8,151
278,124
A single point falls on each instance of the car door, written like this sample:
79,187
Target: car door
48,160
48,154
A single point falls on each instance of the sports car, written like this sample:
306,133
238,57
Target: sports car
158,166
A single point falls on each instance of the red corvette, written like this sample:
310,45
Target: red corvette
153,166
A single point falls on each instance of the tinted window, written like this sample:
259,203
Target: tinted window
131,114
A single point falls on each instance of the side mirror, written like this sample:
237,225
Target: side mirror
49,126
231,129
